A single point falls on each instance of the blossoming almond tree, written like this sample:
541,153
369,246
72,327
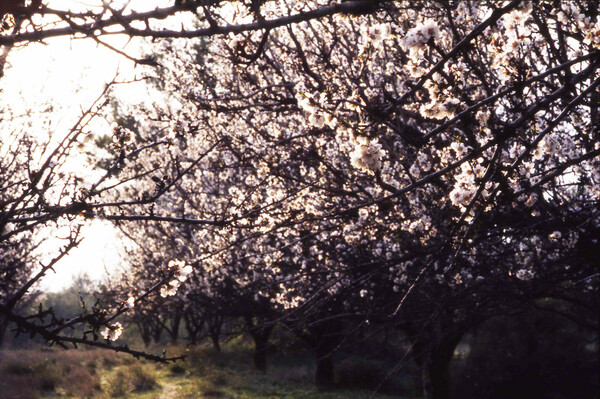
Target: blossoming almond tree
424,158
423,165
39,190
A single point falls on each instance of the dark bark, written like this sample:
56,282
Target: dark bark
327,338
174,331
157,333
434,360
144,333
325,373
193,326
3,327
214,324
436,379
216,342
260,334
260,354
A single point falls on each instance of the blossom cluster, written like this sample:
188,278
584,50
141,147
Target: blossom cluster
573,19
469,179
112,331
181,126
130,303
179,273
123,139
376,34
524,274
421,34
315,107
367,155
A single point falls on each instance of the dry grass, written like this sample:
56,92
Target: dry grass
30,373
36,374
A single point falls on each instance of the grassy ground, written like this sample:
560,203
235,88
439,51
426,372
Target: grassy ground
49,373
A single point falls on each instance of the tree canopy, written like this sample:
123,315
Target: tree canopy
415,165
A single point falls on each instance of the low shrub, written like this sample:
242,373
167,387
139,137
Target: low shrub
17,368
48,376
109,361
217,380
177,368
18,386
142,378
80,383
117,384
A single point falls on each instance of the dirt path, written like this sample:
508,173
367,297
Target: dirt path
169,391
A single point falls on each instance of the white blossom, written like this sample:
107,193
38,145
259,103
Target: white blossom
113,331
524,274
130,303
367,155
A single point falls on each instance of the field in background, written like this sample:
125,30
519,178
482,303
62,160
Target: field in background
55,373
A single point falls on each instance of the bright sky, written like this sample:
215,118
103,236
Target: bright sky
70,74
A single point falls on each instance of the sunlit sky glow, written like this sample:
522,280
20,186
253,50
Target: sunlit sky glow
69,74
65,75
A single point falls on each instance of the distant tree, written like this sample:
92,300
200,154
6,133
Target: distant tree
16,267
39,189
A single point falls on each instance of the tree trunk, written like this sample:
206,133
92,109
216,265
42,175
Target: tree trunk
324,338
329,337
435,367
175,322
3,327
215,341
260,354
144,333
214,324
157,333
192,327
324,375
436,380
260,335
